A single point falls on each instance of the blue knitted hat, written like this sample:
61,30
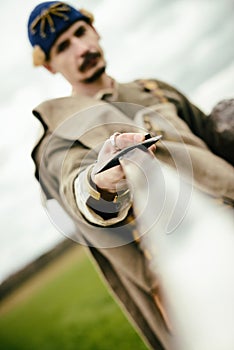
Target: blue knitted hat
47,21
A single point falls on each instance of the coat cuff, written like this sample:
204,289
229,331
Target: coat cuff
96,209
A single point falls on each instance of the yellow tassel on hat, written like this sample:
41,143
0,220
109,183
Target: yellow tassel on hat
39,56
88,14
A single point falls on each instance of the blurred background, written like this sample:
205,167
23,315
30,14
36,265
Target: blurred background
187,43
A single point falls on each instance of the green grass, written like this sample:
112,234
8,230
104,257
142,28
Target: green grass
73,311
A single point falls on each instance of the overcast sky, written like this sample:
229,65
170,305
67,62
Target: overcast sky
188,43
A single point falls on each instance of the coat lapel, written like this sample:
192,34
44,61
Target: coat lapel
82,118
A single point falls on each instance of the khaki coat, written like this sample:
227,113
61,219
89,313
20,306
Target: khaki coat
74,129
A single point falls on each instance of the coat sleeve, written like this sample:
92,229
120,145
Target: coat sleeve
66,162
192,115
210,128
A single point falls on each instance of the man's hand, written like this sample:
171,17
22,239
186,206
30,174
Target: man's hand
113,180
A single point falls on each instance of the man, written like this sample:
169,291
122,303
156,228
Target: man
82,132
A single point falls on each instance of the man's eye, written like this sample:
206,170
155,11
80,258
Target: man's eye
80,31
62,46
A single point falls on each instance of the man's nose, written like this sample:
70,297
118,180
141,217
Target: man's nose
80,46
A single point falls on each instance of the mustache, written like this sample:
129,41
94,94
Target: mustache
88,57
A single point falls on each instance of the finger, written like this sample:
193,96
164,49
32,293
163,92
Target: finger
152,148
108,180
127,139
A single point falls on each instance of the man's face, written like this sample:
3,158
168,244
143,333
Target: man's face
77,55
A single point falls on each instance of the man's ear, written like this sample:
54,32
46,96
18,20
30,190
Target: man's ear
49,68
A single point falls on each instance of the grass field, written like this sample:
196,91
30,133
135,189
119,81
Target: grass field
65,307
